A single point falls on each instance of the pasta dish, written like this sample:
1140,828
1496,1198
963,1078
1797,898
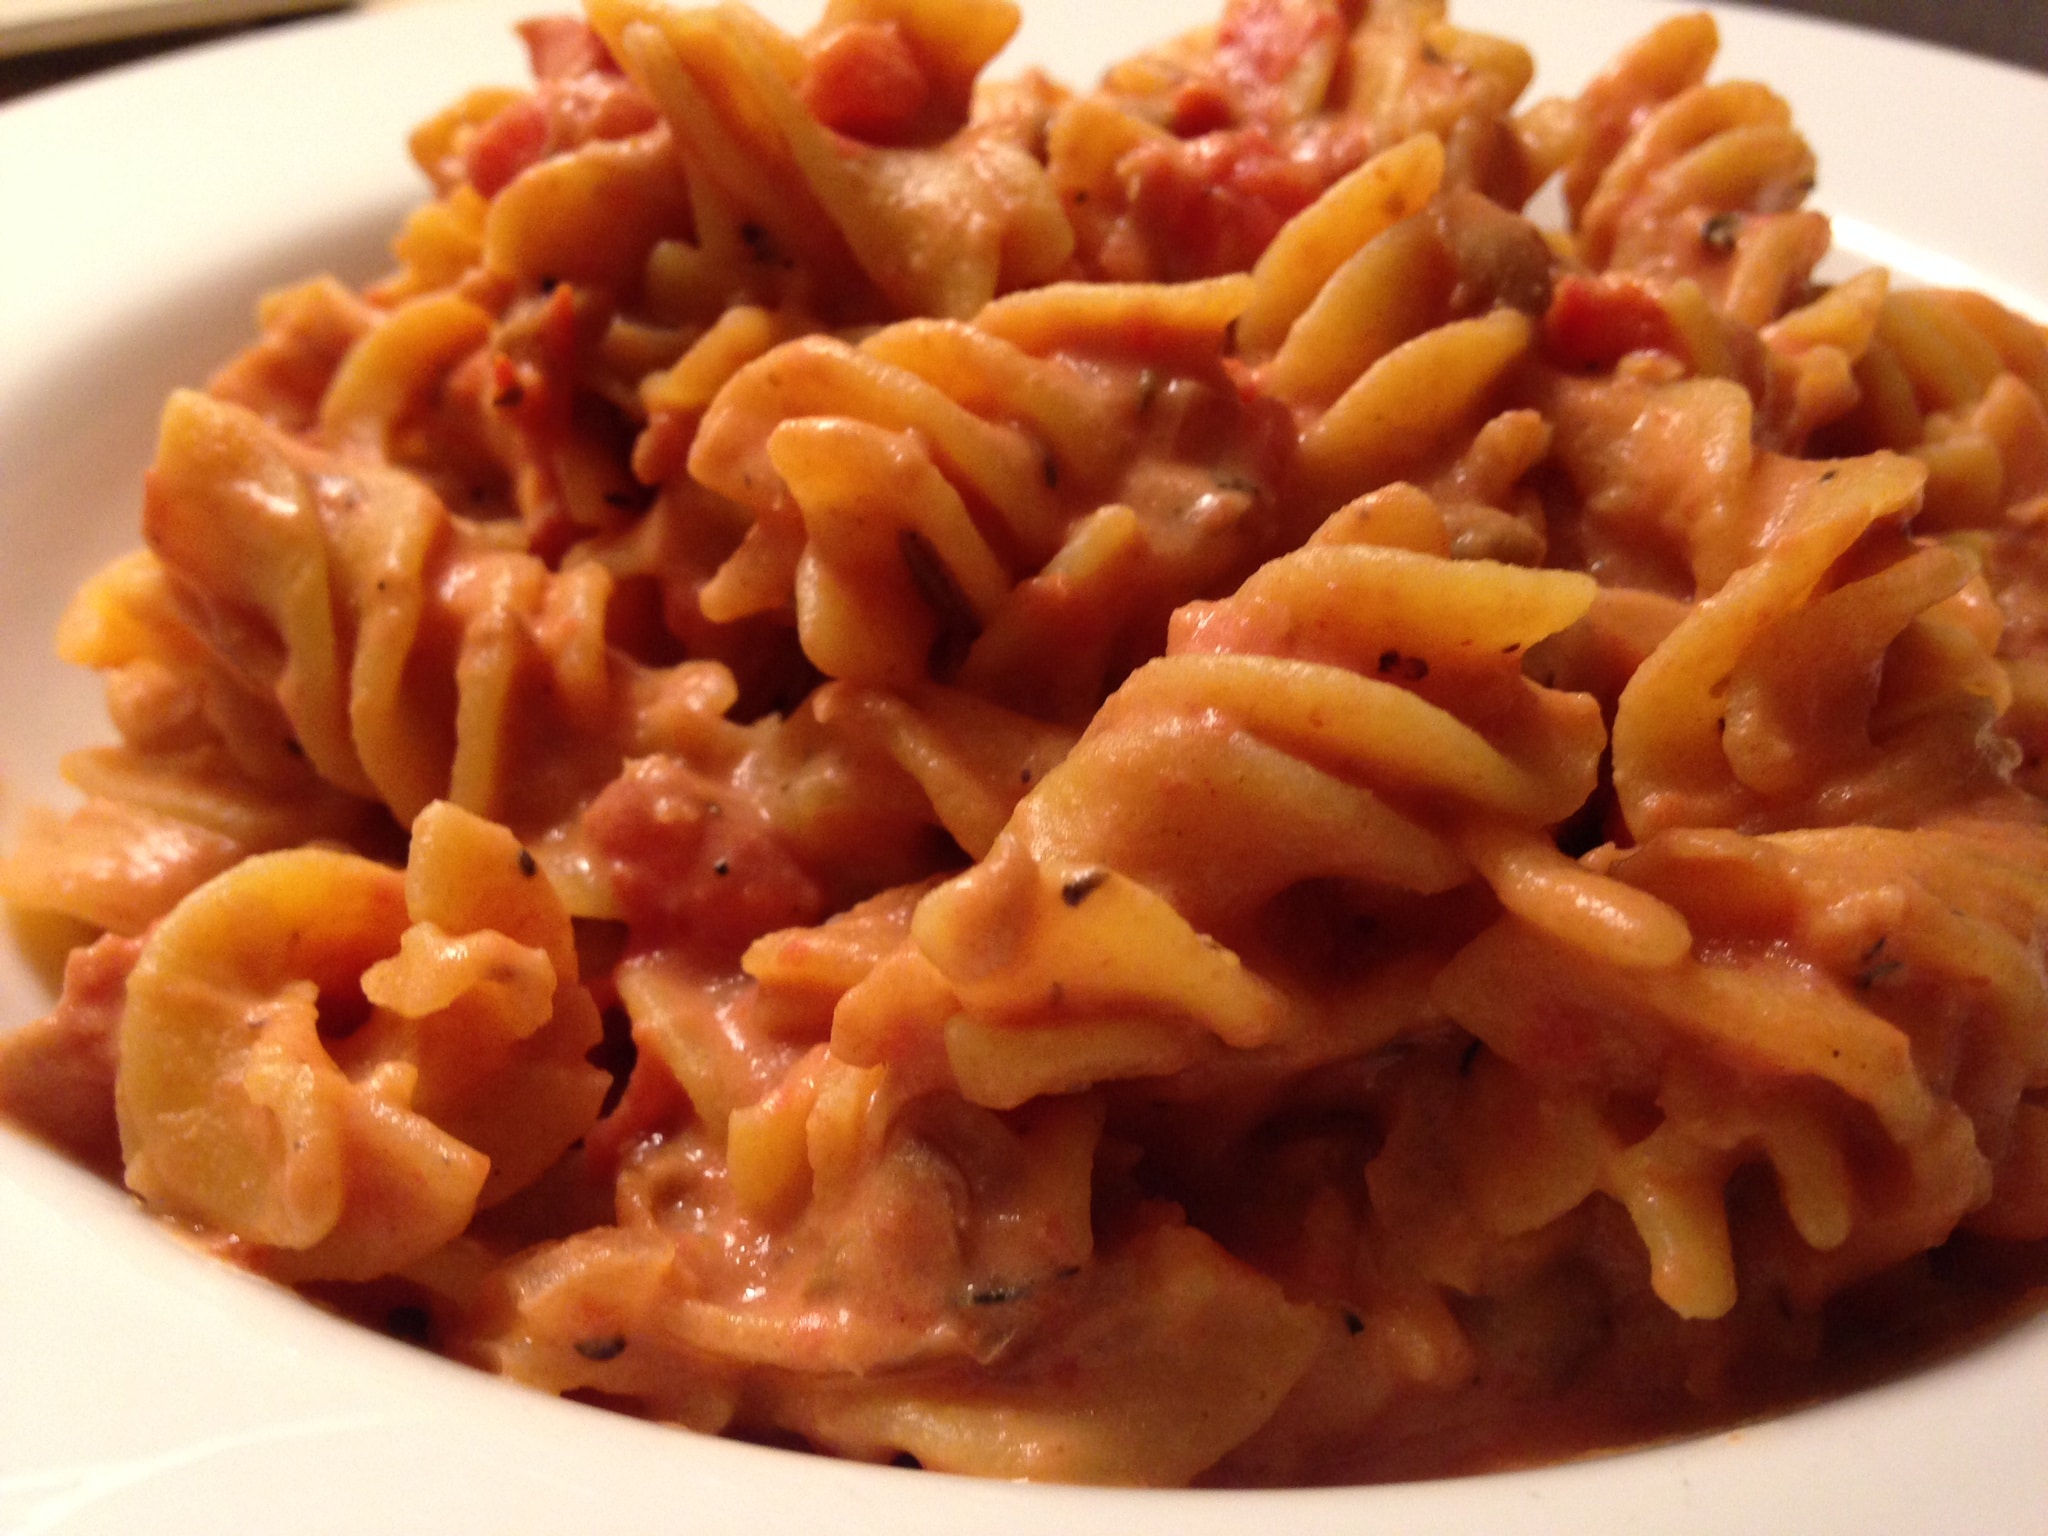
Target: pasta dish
1127,785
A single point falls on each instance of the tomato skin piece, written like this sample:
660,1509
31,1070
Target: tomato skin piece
559,47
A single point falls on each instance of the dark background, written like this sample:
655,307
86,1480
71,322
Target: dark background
2013,30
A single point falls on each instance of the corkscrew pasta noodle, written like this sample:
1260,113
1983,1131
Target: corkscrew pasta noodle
1114,785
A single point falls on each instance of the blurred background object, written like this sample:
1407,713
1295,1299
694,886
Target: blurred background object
58,26
46,42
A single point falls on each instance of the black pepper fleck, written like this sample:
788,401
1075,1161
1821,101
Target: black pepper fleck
1412,668
608,1347
1877,967
1718,234
1082,886
995,1295
527,867
959,624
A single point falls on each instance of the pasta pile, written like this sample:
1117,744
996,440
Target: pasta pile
1119,787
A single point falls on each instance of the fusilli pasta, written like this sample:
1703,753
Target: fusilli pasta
1116,786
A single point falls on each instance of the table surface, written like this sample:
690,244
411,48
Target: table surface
2015,31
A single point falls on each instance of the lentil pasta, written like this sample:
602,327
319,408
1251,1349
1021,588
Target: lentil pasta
1119,786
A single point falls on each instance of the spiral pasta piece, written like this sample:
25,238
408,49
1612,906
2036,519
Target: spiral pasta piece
723,81
341,1158
203,777
1844,1011
406,658
1106,921
1710,727
1033,467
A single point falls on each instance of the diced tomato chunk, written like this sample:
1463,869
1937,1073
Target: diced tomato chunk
1213,204
695,860
864,80
1199,107
581,96
1260,44
516,138
1594,322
